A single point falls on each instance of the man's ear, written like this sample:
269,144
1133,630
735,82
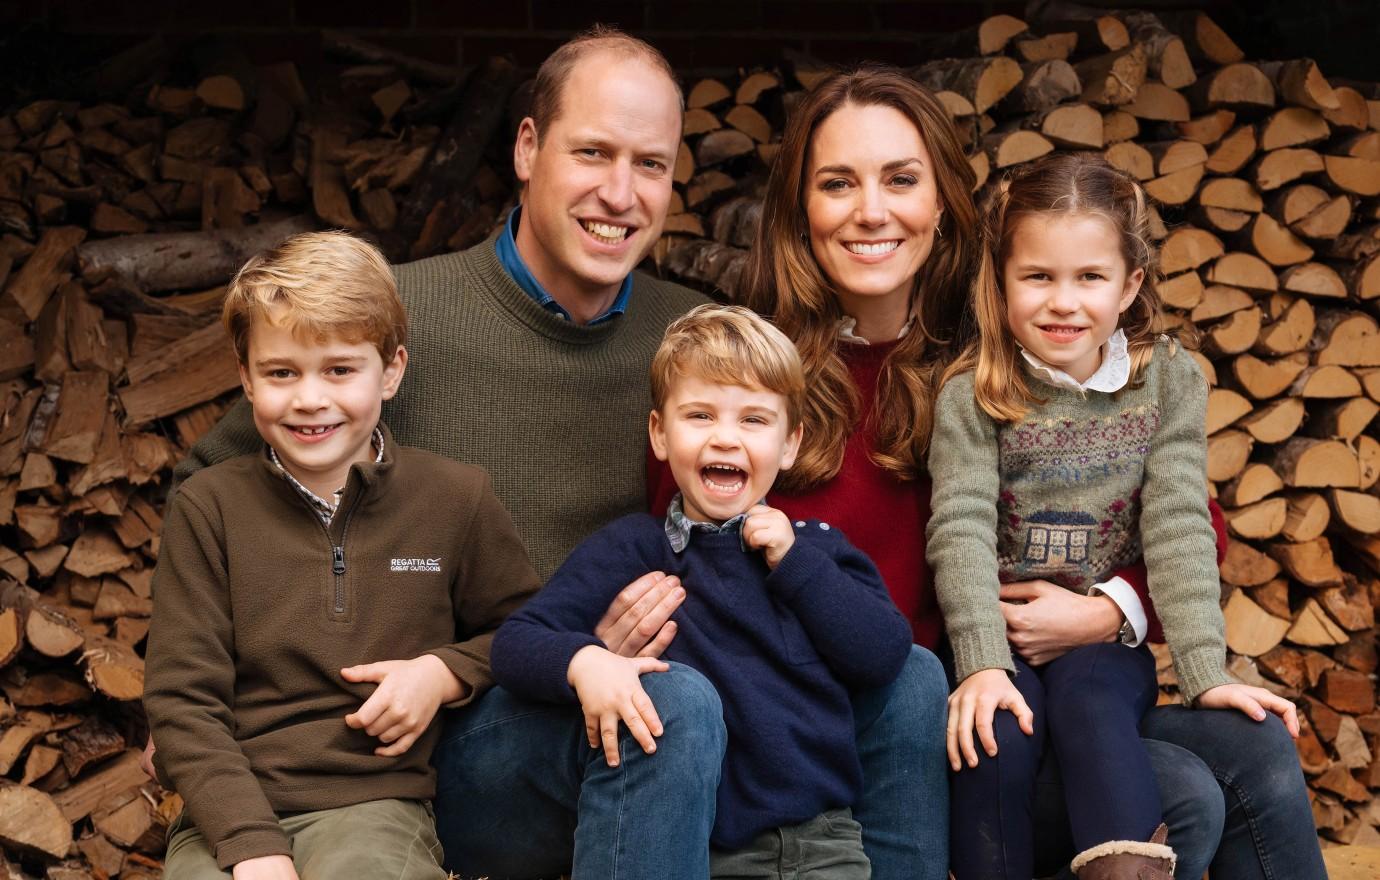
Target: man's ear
393,373
525,149
657,435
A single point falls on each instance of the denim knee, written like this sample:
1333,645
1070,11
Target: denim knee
690,711
915,702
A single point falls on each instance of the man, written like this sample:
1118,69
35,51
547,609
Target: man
530,357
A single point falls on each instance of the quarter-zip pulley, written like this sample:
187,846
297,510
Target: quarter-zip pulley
338,560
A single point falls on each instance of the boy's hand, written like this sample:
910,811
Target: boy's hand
610,689
408,694
974,703
769,530
265,868
1253,701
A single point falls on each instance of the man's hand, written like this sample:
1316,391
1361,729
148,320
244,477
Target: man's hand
1252,701
265,868
408,694
769,530
1053,621
638,623
146,759
974,704
610,689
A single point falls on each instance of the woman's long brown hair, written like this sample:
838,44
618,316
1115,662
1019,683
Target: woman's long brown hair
785,283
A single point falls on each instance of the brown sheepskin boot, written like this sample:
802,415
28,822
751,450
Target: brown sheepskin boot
1127,859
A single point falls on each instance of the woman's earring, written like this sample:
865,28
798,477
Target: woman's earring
939,230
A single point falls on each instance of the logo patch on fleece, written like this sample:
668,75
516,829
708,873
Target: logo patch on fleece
415,563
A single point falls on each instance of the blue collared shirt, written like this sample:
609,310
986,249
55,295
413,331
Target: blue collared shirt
512,263
679,526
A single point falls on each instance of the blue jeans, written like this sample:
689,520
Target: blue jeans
1088,705
1231,789
514,776
1268,831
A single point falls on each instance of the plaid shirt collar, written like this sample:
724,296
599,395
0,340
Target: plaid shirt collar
323,508
679,526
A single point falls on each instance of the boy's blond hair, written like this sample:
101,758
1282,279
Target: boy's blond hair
318,285
729,345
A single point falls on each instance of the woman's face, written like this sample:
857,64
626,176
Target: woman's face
872,203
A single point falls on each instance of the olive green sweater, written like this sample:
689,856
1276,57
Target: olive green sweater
1082,486
556,412
258,606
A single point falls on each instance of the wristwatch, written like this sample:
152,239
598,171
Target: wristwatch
1126,635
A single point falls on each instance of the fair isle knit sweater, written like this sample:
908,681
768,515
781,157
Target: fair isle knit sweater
1078,488
556,412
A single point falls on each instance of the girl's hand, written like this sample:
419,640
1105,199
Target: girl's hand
769,530
1253,701
610,689
974,703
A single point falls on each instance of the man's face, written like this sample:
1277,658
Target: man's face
599,183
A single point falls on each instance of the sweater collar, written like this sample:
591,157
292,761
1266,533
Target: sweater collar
1111,375
516,267
370,473
497,284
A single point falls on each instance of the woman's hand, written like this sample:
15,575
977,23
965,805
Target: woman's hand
1252,701
1044,621
974,703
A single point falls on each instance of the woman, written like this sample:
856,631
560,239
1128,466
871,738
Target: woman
868,244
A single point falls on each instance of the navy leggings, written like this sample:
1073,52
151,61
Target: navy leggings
1089,703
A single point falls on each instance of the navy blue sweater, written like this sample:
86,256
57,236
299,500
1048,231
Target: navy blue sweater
783,648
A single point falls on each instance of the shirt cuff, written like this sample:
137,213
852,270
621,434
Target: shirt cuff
1124,595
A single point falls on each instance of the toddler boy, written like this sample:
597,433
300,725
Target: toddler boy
317,602
782,618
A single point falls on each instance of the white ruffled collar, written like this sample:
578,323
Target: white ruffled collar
1112,375
849,324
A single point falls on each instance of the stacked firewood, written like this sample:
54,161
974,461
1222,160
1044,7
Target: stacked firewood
121,220
124,211
1266,179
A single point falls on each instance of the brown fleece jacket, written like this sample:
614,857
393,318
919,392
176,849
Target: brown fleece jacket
258,606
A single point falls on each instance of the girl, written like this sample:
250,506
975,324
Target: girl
1068,440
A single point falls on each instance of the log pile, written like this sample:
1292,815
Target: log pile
121,220
124,211
1266,179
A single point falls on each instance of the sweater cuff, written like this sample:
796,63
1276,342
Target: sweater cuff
1199,671
252,845
981,650
476,677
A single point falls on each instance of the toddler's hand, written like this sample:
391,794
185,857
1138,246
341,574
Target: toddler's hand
265,868
408,694
974,703
769,530
610,689
1253,701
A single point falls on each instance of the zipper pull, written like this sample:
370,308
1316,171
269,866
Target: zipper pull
338,560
